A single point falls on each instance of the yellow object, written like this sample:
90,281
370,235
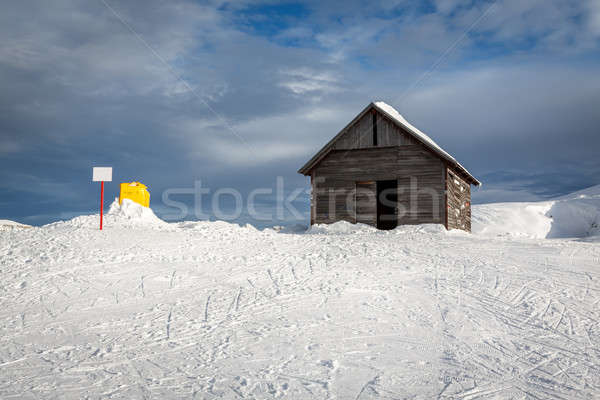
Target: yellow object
135,191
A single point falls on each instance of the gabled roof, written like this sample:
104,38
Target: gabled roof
403,124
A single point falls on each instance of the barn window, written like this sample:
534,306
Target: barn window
374,129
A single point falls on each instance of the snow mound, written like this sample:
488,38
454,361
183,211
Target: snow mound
212,228
512,219
572,216
128,214
435,229
132,211
575,218
348,228
340,228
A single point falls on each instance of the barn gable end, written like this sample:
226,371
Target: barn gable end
361,135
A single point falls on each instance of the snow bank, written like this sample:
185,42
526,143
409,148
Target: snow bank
132,212
348,228
512,219
572,216
578,218
128,214
215,228
435,229
340,228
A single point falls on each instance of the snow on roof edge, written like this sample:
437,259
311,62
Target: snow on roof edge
394,114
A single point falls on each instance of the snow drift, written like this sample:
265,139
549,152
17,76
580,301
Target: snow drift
572,216
340,228
131,212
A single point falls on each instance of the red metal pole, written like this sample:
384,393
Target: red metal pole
101,202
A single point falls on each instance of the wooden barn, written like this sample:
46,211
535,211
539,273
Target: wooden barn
382,171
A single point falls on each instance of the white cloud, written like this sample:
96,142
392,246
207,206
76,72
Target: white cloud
593,20
8,146
304,80
261,140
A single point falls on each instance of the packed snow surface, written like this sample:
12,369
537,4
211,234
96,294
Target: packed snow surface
211,310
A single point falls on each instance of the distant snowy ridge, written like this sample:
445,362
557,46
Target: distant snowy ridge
8,224
576,215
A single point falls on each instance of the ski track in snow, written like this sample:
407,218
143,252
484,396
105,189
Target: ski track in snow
229,312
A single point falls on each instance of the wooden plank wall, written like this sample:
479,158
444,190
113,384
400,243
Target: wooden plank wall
366,202
360,135
420,175
334,201
390,135
313,198
336,176
459,202
421,186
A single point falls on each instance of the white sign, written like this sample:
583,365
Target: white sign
102,174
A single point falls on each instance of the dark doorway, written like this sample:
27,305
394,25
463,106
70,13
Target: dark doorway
387,201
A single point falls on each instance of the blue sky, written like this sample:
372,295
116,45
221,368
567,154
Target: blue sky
510,88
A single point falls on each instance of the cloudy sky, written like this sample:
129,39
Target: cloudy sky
236,94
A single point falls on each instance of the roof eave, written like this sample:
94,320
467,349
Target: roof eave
472,180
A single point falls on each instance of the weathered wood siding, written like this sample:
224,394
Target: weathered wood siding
360,134
459,201
312,198
420,175
336,176
420,186
366,202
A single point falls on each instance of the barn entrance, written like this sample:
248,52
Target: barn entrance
387,202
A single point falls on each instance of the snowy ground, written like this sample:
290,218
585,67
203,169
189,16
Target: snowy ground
146,309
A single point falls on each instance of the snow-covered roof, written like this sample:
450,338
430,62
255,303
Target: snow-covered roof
399,120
